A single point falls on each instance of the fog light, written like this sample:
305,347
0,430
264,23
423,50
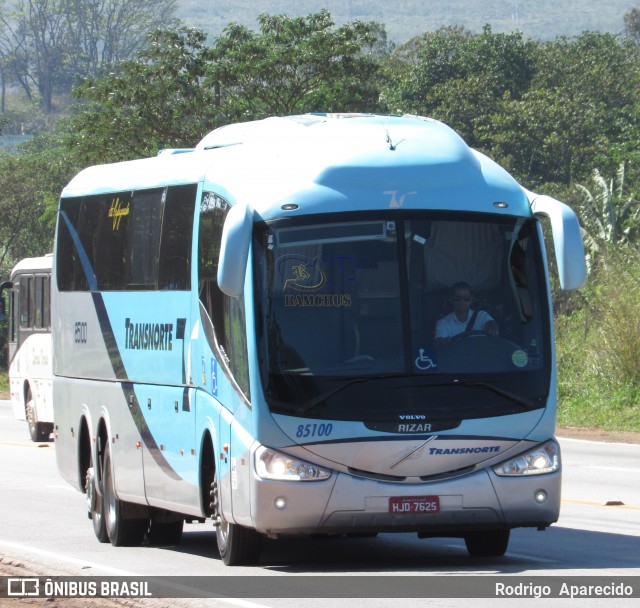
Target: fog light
540,496
280,502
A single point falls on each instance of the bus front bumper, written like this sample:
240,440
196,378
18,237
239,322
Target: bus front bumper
349,504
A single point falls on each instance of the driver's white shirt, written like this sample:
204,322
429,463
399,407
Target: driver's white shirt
450,326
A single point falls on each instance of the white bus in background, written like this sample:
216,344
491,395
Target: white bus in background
29,344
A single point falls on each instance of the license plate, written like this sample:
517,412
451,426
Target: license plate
414,504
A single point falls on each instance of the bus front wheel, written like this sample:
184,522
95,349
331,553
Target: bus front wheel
122,532
237,545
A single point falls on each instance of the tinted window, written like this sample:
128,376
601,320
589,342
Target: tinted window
175,244
226,315
126,240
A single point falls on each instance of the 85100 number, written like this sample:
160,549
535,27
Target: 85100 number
324,429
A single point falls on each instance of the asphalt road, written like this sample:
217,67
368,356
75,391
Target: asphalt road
43,525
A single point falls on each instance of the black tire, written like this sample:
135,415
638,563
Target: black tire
237,545
165,533
39,431
95,506
491,543
122,532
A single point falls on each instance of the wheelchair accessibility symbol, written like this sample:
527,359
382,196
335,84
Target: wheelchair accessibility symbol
426,360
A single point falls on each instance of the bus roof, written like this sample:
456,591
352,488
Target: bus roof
326,162
42,263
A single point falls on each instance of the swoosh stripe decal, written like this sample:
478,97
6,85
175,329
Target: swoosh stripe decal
114,355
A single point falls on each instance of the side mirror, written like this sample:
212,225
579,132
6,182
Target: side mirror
234,250
567,240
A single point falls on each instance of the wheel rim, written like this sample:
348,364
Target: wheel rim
31,416
90,491
220,523
110,499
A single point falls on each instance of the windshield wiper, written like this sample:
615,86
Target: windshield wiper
318,399
323,397
517,399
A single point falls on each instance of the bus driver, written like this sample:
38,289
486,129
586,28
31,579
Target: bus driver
463,320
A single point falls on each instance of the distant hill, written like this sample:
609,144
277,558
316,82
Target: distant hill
405,19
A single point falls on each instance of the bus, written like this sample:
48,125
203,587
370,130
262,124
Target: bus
29,344
244,334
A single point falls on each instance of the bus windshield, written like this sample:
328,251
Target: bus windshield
348,311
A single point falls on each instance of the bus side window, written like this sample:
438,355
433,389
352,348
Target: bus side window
226,314
174,268
41,303
26,301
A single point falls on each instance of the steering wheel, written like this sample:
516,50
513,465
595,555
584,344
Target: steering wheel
476,333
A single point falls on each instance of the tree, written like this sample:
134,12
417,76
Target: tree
295,65
178,89
108,31
51,42
461,78
632,25
30,183
580,111
160,99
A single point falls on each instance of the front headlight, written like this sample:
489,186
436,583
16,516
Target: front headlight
277,466
542,459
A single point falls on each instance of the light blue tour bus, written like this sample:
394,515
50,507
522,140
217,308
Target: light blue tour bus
245,333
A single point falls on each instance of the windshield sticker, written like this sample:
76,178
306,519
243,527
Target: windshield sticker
302,274
426,359
214,377
520,358
317,283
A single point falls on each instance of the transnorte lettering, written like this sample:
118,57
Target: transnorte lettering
148,336
483,450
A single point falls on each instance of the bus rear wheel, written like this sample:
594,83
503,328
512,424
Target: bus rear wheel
237,545
122,532
39,431
95,506
490,543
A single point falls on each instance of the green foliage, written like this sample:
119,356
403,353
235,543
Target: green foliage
295,65
461,78
30,183
608,215
160,99
597,349
579,111
549,112
179,88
